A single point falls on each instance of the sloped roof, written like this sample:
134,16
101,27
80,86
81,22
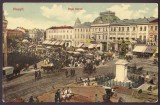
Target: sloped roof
133,21
61,27
84,25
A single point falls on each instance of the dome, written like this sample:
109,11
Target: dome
106,17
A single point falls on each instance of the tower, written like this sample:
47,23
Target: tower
77,22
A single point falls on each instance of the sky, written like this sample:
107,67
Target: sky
45,15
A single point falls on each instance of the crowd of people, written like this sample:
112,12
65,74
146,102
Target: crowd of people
63,95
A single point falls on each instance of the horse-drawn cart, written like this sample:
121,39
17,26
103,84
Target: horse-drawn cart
47,68
133,68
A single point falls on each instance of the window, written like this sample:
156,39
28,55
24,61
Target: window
114,29
99,29
134,28
106,37
119,28
140,28
156,28
127,28
122,28
111,29
70,36
151,27
99,37
145,28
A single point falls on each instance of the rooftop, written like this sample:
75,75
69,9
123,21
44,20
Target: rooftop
84,25
133,21
61,27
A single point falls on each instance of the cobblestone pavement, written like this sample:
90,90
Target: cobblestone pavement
25,85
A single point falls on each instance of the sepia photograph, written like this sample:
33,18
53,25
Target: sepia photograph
80,52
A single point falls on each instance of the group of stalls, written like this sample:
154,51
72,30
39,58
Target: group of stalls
54,43
144,51
89,46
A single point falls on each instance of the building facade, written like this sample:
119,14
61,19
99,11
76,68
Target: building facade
36,34
153,32
133,31
14,33
82,33
107,31
61,33
100,29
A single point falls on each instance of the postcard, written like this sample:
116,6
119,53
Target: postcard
80,52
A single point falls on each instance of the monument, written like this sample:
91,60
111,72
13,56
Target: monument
121,65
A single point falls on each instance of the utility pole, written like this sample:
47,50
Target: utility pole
5,22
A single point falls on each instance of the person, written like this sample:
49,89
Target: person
69,93
39,74
120,100
36,75
88,81
96,98
17,70
71,72
63,95
103,62
36,100
31,99
35,66
57,96
85,83
66,72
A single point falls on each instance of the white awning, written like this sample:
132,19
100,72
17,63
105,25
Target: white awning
44,42
80,50
92,46
25,41
98,45
140,49
50,42
58,42
53,42
62,43
80,45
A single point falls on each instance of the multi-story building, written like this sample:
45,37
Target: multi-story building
22,29
134,31
61,33
14,33
153,32
82,33
36,34
107,32
100,29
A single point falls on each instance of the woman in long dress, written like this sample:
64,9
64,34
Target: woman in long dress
63,95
